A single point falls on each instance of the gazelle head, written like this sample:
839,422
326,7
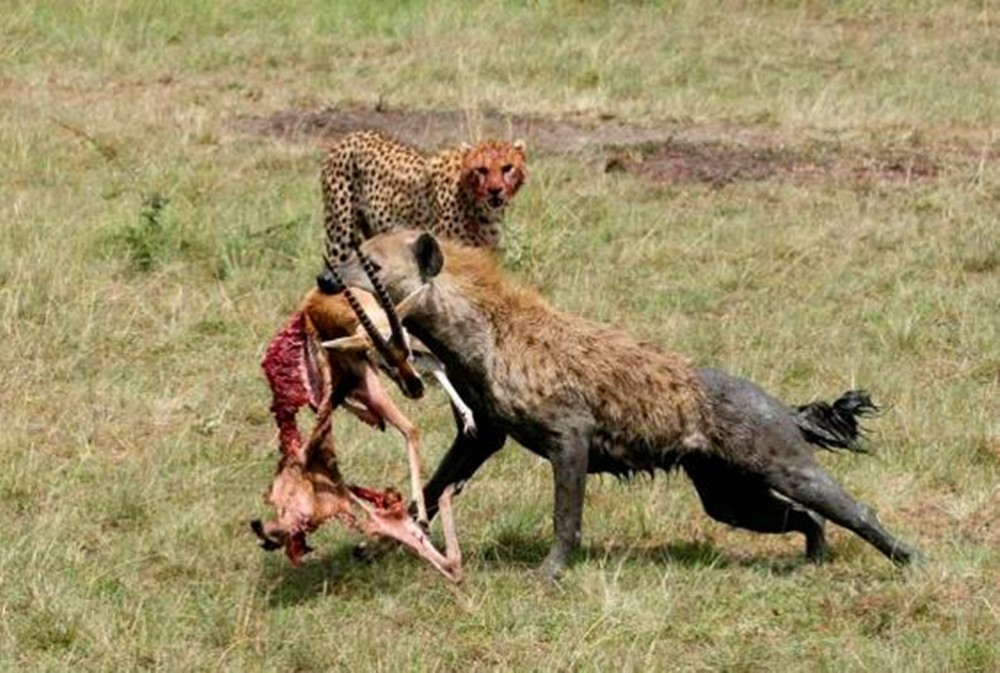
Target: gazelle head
394,352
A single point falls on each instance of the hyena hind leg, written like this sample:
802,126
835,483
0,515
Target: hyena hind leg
740,499
807,484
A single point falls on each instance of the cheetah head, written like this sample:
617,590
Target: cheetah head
493,171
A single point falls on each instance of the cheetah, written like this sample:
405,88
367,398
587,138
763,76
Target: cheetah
372,184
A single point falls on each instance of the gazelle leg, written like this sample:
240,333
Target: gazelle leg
452,551
363,413
468,419
375,398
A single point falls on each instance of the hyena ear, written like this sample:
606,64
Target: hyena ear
430,259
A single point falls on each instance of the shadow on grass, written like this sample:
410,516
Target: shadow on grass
333,571
341,571
514,549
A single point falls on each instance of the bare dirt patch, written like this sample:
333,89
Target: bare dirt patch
667,153
713,162
719,162
433,129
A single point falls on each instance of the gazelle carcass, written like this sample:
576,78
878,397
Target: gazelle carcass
308,488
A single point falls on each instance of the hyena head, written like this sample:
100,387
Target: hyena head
405,261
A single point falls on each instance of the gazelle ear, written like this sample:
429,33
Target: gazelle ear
357,342
327,285
409,302
430,259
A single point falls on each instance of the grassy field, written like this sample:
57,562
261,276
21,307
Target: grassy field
805,195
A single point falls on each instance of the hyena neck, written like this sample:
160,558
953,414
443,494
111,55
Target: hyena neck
454,326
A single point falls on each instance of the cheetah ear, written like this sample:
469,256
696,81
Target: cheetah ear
519,145
429,257
464,147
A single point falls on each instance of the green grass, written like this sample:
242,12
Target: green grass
149,249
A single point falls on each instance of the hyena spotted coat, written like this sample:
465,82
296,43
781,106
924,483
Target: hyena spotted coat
589,398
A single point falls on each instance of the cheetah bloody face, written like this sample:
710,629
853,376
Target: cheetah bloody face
493,171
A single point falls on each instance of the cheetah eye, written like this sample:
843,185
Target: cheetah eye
507,168
483,170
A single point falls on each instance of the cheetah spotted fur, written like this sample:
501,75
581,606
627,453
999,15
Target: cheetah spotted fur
372,184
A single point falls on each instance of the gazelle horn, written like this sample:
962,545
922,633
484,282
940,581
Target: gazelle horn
407,377
376,337
398,338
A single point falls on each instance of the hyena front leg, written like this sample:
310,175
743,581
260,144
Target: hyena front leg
466,455
569,470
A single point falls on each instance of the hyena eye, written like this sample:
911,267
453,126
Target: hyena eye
507,168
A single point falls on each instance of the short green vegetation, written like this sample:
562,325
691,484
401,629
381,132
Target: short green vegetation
807,195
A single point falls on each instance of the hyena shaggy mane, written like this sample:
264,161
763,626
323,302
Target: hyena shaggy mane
589,399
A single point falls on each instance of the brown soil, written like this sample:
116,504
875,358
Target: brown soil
671,153
434,129
714,162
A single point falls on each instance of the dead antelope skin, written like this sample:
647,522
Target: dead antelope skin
590,399
308,488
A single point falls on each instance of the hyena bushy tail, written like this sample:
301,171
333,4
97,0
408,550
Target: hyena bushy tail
836,425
